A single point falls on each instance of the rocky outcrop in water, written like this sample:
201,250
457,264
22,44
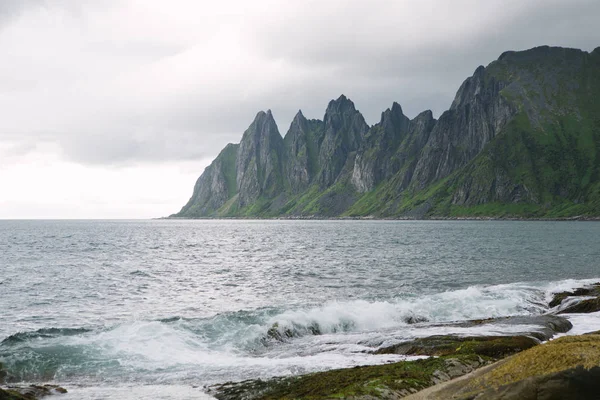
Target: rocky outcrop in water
520,139
31,392
582,300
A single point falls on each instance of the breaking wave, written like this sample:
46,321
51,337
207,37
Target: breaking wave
277,341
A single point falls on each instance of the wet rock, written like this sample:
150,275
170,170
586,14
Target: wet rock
389,381
454,368
415,319
584,306
547,325
276,333
558,298
31,392
488,346
11,395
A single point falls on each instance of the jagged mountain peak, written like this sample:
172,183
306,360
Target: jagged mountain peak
427,115
394,112
299,117
263,124
471,87
341,105
298,125
262,115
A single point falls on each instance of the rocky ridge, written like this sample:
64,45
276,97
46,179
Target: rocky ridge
521,139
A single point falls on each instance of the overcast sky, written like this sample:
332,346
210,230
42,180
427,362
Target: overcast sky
113,108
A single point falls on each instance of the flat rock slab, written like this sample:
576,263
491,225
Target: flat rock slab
566,368
489,346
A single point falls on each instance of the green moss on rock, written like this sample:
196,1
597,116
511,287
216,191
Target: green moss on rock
563,354
377,381
488,346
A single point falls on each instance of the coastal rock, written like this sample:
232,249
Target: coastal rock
558,298
546,326
31,392
388,381
488,346
565,368
574,383
584,306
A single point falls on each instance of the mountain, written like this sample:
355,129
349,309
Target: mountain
521,139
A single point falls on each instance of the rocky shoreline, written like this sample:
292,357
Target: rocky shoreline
492,367
516,366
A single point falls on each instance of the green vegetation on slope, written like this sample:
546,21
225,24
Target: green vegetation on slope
536,115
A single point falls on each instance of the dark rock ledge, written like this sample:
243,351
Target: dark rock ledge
31,392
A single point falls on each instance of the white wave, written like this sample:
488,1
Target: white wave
566,285
148,343
155,346
583,323
381,318
167,352
472,303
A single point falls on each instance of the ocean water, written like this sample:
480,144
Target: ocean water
159,309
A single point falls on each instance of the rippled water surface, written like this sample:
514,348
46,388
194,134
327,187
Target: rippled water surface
101,304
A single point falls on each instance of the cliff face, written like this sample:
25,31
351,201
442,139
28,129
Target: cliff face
521,138
345,129
391,146
477,115
259,161
302,143
215,186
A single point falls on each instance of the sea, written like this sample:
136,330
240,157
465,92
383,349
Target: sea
150,309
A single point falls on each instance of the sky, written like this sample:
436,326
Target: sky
112,109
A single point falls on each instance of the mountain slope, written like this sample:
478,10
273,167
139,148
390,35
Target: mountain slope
521,138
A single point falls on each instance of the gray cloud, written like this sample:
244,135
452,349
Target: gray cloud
12,8
117,83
